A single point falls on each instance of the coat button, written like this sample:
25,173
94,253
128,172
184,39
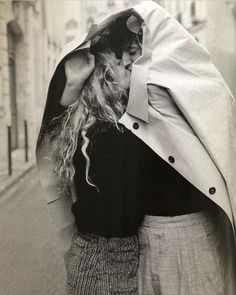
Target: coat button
171,159
136,125
212,190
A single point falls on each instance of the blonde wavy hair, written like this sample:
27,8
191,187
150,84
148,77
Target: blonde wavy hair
103,99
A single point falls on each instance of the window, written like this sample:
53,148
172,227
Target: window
90,21
179,17
193,9
110,3
71,24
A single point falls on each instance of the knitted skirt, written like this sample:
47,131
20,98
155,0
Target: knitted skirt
97,265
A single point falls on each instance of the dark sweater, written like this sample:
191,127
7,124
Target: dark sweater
132,181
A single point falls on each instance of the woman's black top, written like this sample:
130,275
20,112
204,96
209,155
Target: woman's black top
132,181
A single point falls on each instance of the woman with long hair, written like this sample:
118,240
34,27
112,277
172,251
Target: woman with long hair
103,257
103,98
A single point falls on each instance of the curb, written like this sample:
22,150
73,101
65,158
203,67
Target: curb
14,181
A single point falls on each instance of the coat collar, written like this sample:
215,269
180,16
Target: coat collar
138,96
138,100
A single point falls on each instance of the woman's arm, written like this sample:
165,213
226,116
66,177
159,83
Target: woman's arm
70,94
78,68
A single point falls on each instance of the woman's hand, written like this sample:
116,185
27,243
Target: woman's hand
78,68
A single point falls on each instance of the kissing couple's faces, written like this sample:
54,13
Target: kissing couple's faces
130,52
126,47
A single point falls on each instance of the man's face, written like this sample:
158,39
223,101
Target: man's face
130,52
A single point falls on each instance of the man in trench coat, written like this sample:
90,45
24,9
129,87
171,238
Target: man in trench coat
191,125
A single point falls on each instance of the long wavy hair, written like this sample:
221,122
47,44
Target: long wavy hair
101,99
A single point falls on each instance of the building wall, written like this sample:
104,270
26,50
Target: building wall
213,25
221,38
14,16
34,58
88,12
4,86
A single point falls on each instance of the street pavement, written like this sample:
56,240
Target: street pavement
30,261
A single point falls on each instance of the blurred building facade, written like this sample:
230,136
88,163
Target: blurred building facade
21,85
213,24
30,41
83,13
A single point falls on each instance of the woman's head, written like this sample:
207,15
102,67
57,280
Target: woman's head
103,98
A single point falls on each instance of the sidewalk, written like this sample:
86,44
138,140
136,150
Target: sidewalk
19,169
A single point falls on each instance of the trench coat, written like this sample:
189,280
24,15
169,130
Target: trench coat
179,105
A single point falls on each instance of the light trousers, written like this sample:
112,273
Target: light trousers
180,255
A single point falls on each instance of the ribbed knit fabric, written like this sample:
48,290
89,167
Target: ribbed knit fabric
102,266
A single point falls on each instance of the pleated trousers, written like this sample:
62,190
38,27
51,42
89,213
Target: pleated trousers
180,255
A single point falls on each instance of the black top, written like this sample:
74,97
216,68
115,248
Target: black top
132,181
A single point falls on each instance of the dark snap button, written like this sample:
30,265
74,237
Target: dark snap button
136,125
212,190
171,159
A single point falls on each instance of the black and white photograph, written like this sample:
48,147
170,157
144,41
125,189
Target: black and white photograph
118,147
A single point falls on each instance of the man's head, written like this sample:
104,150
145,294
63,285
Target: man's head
132,41
131,50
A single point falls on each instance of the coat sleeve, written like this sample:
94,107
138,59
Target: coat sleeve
53,108
161,100
62,221
59,207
